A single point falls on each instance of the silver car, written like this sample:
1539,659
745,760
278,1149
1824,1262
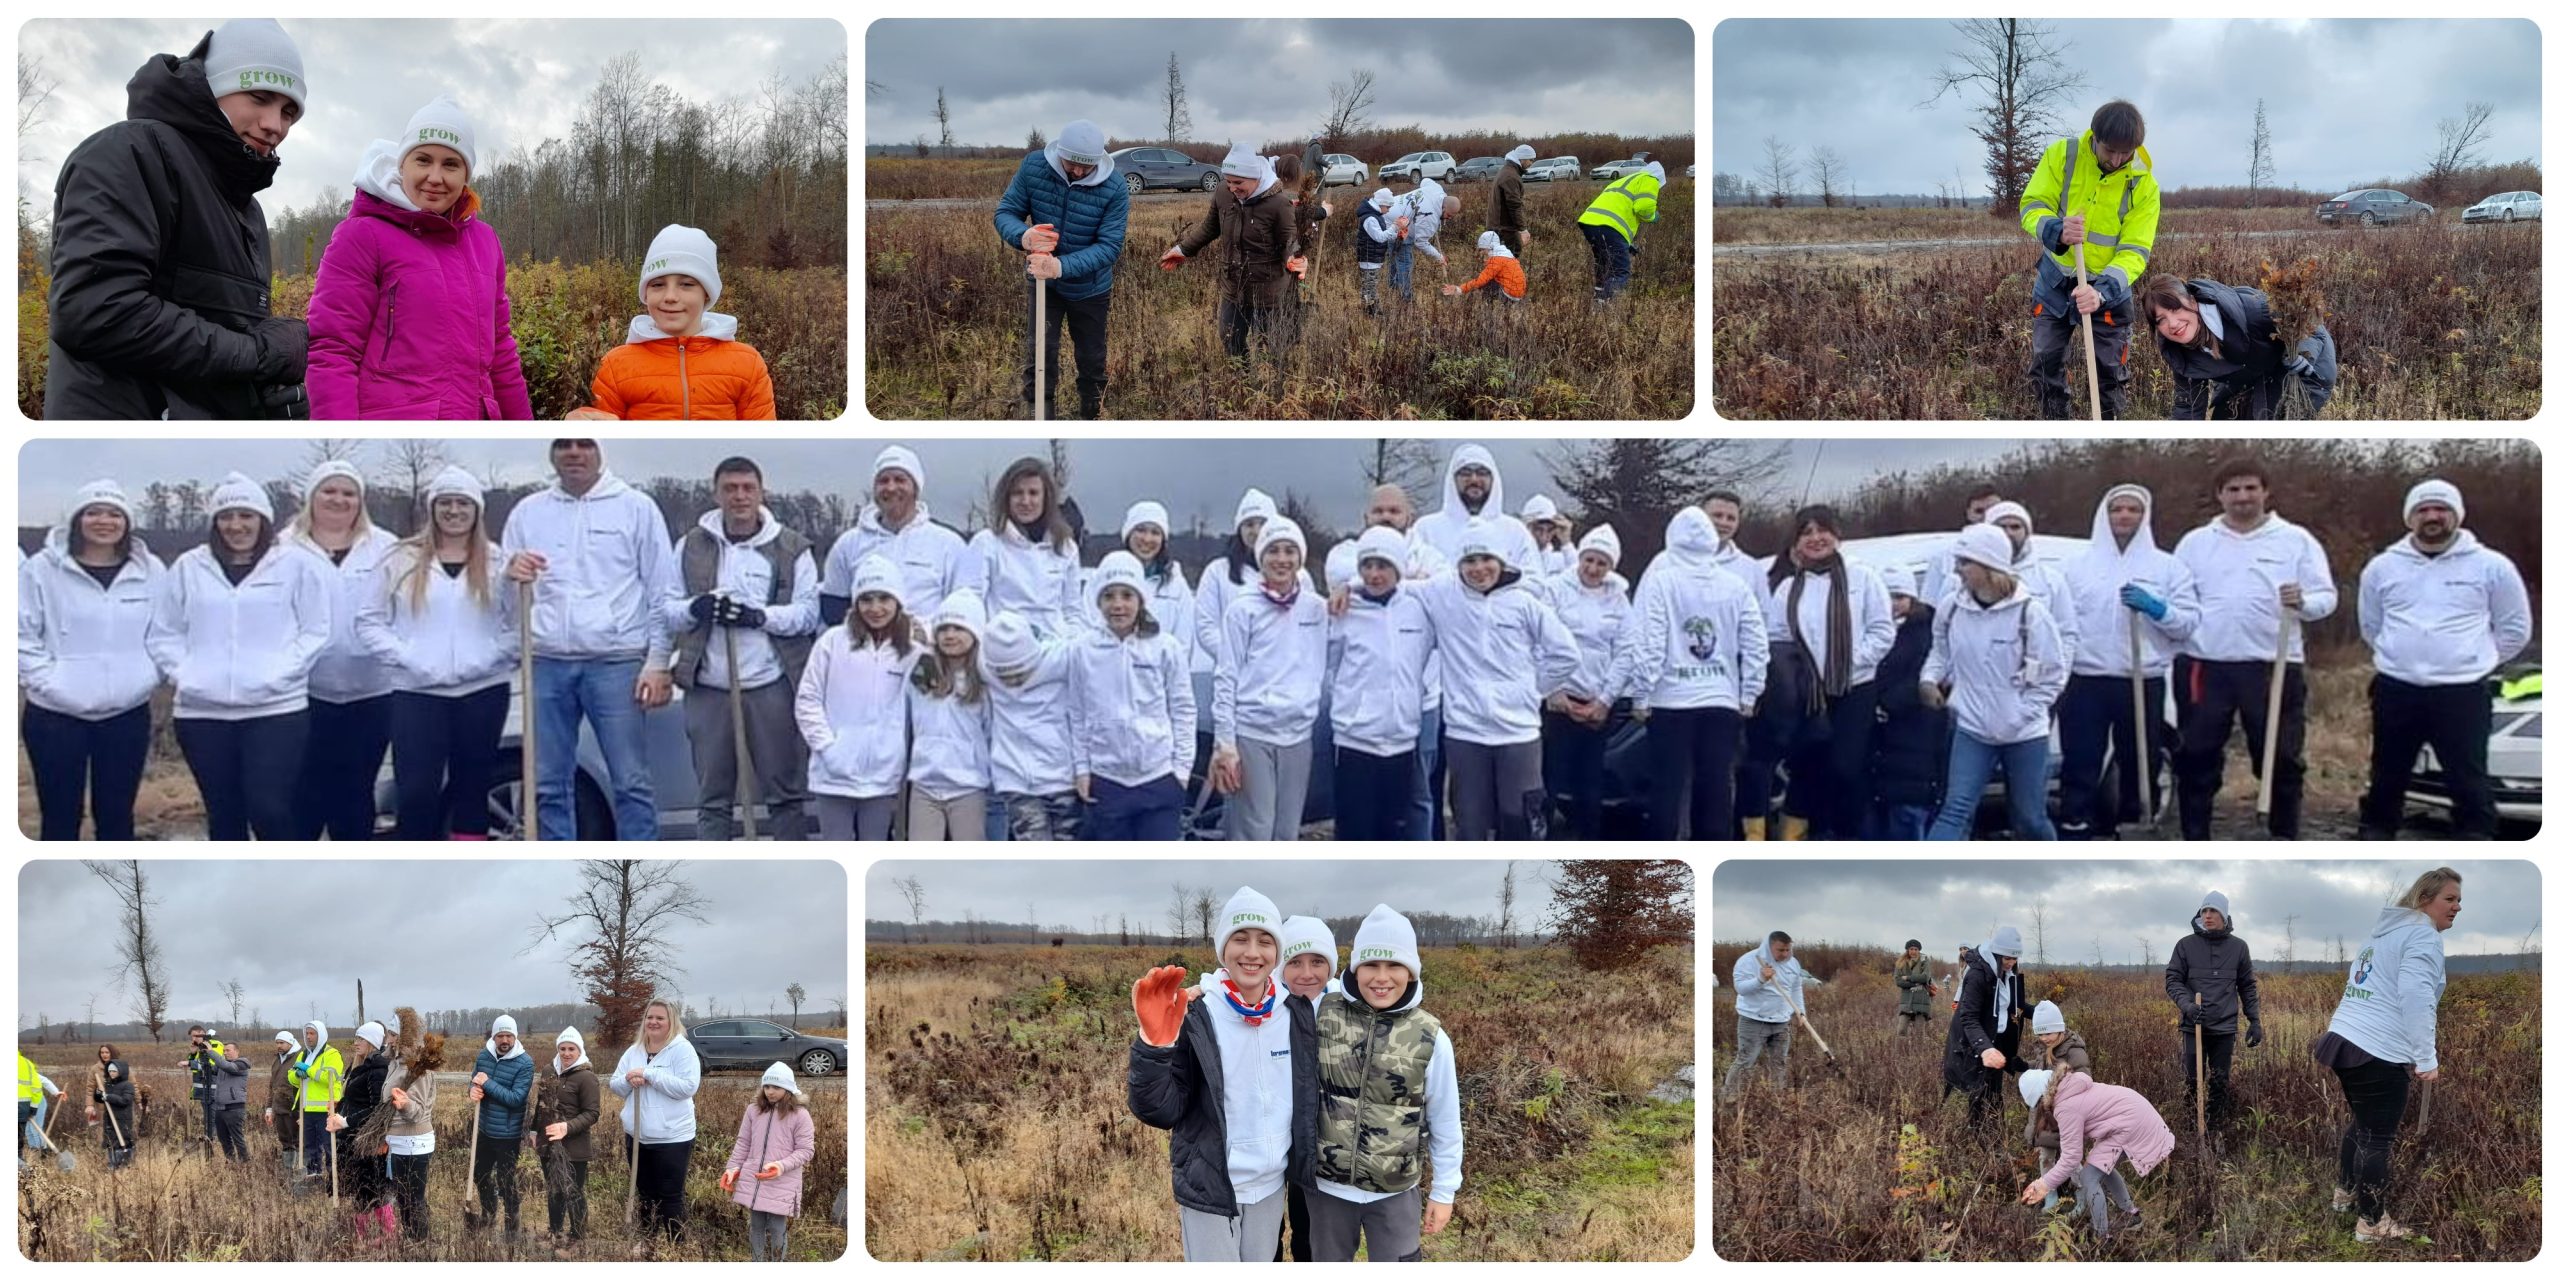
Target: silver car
2507,206
1342,170
1416,165
1554,169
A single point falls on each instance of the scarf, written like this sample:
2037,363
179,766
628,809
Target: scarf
1281,603
1835,667
1379,598
1253,1014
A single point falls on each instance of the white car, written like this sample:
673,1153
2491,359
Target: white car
1416,165
1341,170
1554,169
1616,169
1690,173
2507,206
2515,756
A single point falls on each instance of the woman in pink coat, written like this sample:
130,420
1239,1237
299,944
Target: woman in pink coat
2101,1125
776,1139
409,317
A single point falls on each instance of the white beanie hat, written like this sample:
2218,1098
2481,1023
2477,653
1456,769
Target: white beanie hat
568,1035
1119,569
879,574
248,54
1276,530
965,609
1008,643
1081,142
2031,1086
1308,935
370,1033
240,493
1602,539
1380,542
441,123
454,482
1386,935
1145,513
1244,162
2048,1017
1986,544
1477,538
2432,491
682,251
504,1022
1538,507
1524,153
1381,198
780,1074
1255,503
898,457
286,1039
1248,909
333,469
1899,581
103,493
2005,941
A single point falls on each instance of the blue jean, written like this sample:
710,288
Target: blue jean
1151,810
1969,768
1400,268
599,690
1898,822
1425,823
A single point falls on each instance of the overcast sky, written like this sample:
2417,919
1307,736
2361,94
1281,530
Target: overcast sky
1254,82
435,935
521,81
1073,893
2348,101
1191,477
2115,904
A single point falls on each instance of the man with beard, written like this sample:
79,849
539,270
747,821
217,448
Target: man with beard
898,528
1472,488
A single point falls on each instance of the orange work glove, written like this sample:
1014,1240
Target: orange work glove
1161,1001
1041,266
769,1172
1041,238
1403,225
1172,259
729,1180
1298,266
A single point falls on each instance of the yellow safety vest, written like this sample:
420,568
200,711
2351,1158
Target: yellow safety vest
29,1090
2520,689
1624,203
326,1082
2123,208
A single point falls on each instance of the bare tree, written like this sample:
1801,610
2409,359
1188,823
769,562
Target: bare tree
796,994
409,467
1178,918
254,1020
1204,910
2098,952
1828,174
623,914
912,889
2286,955
2013,73
231,992
2262,156
1177,101
35,89
1778,167
2458,144
1351,102
1407,462
2337,948
137,947
2146,952
1509,894
942,115
2035,919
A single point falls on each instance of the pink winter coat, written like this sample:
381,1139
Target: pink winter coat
2102,1123
768,1137
409,318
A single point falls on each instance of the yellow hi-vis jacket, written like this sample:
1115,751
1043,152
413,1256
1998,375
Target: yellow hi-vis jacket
29,1088
1624,203
2123,209
319,1080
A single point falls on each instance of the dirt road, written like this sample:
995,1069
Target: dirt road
1883,246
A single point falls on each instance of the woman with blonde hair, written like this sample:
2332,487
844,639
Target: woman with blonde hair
350,690
1996,660
657,1078
2383,1034
445,629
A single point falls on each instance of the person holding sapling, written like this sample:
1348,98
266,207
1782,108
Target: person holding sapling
2229,353
1501,277
1229,1067
680,359
2100,1128
501,1079
1388,1084
564,1117
281,1114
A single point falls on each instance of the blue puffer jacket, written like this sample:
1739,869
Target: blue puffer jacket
1090,221
502,1107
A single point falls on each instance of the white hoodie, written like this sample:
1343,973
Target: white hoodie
1260,1098
2237,575
1698,639
743,573
1272,680
1383,672
1446,528
1034,579
665,1103
345,672
240,653
1028,752
949,757
1871,625
451,647
852,706
610,567
1767,1001
2047,579
2097,578
1130,715
2445,619
81,646
2005,662
1422,562
934,557
2389,1007
1596,617
1501,653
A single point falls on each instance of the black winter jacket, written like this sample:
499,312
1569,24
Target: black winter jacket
160,298
1182,1087
2217,968
1970,1031
2247,379
1911,738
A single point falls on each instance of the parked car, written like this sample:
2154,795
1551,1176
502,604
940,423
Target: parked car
1554,169
2515,752
1616,169
1690,172
1146,169
1342,170
2507,206
1480,169
755,1044
2374,207
1414,166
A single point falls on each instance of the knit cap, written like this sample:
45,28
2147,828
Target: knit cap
2432,491
240,493
1900,581
1386,935
286,1039
1477,539
2031,1086
1378,542
1248,909
454,482
1008,643
1523,153
2048,1017
249,54
1119,569
1985,544
1538,507
1602,539
333,469
1254,505
1491,243
1145,513
898,457
1243,162
1308,935
441,123
964,609
568,1035
682,251
879,574
102,493
1276,531
370,1033
780,1074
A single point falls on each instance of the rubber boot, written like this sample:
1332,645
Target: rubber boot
1755,828
1792,827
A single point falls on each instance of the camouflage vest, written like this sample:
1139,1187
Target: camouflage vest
1371,1069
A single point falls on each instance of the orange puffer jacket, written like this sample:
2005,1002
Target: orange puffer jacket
653,377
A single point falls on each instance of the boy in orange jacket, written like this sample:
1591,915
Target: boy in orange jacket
680,360
1500,268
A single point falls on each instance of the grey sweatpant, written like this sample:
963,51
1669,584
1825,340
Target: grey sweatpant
765,1227
1393,1226
845,818
773,740
1495,791
1253,1235
1274,800
2097,1191
962,817
1752,1037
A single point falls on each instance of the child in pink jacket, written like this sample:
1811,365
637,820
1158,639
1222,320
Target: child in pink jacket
2101,1125
776,1140
409,318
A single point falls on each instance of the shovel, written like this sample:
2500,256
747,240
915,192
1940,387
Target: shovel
2275,717
2141,728
1039,354
1827,1059
738,732
2200,1133
2088,340
44,1140
471,1172
528,820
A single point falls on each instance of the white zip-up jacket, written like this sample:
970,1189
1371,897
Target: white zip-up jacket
1130,714
1209,612
1767,1001
1259,1094
1871,626
2237,575
664,1104
1697,638
745,574
452,647
852,709
1028,751
81,647
2097,578
933,559
1383,667
345,672
1273,684
239,653
949,757
1501,653
612,566
1033,579
1422,562
2004,661
1596,617
2389,1006
2445,619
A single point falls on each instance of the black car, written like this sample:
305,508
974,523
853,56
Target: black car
1480,169
2374,207
754,1044
1144,169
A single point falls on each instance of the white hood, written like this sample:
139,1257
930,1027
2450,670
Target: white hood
1082,139
378,174
644,328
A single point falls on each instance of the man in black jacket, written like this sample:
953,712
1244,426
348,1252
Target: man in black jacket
2213,985
160,306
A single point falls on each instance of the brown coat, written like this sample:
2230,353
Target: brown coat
1256,240
575,1099
1510,203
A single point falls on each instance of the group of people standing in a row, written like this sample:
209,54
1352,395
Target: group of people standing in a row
359,1125
2381,1036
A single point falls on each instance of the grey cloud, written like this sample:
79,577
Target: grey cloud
1072,893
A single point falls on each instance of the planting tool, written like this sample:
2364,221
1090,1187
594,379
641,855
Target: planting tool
2200,1066
738,733
61,1159
631,1194
333,1152
1827,1059
1312,188
470,1187
528,813
2141,726
2275,716
2088,341
1039,351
